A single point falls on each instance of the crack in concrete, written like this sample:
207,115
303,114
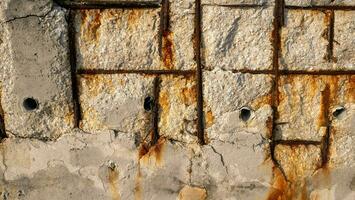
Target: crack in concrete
221,157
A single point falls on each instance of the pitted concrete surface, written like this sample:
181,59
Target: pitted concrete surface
177,99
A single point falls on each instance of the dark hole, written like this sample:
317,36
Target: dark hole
30,104
338,111
148,103
245,114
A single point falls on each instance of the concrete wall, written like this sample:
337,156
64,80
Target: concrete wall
177,99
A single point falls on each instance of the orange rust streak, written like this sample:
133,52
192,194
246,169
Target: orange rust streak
90,24
279,188
324,107
154,152
113,180
168,50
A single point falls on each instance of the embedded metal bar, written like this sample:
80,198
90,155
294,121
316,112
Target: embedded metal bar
118,71
321,7
72,4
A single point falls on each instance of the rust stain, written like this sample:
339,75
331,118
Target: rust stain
279,189
113,181
261,101
137,185
350,89
168,50
164,102
188,95
270,126
134,16
152,154
96,84
209,118
90,24
299,163
324,106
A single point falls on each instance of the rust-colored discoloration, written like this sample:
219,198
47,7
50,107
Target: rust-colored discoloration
90,24
279,189
168,50
209,118
164,102
113,178
137,185
134,16
324,107
152,154
192,193
188,95
96,84
298,163
270,126
261,101
350,90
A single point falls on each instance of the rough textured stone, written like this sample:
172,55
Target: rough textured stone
238,2
39,70
226,95
306,103
320,2
235,38
235,164
181,36
304,40
344,39
178,115
118,39
275,137
116,102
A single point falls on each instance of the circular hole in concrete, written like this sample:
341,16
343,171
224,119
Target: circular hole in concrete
245,114
338,111
148,103
30,104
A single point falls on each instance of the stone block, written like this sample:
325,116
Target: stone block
118,39
344,39
304,40
178,108
306,103
116,102
235,38
178,43
37,94
237,106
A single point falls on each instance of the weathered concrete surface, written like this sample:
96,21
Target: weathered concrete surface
304,40
39,69
228,32
178,108
344,37
225,170
118,39
178,42
226,95
320,2
273,137
116,102
307,102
